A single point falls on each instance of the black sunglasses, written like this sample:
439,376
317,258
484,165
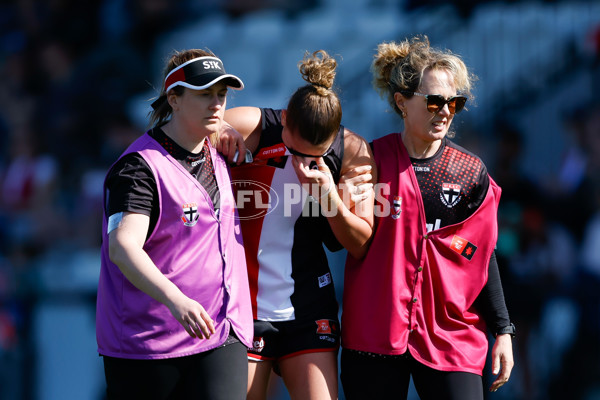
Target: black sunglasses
297,153
436,102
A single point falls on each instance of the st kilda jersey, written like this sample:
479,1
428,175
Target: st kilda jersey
283,230
453,184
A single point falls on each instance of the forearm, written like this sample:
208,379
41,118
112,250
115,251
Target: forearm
491,299
350,228
139,269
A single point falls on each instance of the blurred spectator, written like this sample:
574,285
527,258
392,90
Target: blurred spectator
575,159
538,261
56,110
583,357
70,21
575,179
10,343
118,133
28,192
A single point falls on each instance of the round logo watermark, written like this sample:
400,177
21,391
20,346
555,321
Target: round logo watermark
253,199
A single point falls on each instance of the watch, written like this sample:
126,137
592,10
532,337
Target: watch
510,329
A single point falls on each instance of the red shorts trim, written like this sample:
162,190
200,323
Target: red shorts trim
256,357
279,340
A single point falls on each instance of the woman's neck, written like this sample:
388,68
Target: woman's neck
189,143
418,148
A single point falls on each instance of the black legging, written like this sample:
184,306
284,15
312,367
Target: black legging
221,373
367,377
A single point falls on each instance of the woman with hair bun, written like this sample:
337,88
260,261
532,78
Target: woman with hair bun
421,302
299,154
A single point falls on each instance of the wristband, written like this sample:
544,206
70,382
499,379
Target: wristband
510,329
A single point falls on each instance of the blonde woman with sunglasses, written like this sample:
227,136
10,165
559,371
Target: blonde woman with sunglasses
422,301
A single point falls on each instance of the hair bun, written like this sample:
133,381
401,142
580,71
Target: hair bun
318,69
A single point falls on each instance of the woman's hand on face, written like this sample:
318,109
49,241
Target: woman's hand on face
228,142
314,175
192,316
356,184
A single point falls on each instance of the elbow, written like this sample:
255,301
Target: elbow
359,252
115,252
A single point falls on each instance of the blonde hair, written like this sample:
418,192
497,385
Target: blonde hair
314,110
400,66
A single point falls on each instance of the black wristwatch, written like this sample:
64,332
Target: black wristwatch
510,329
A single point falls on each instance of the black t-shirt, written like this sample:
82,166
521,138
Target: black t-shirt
464,187
131,186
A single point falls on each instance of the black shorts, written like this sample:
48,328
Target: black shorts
221,373
277,340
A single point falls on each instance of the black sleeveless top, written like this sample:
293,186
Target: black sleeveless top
288,268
